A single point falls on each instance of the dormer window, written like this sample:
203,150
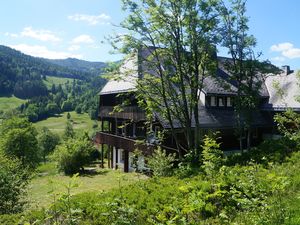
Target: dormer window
229,102
221,101
213,101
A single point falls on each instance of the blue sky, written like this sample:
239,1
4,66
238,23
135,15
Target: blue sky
77,28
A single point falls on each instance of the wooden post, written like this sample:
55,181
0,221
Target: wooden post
116,166
102,155
108,156
126,161
112,157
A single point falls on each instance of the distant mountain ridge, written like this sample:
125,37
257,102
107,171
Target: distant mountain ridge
21,74
86,66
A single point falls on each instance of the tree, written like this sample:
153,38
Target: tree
247,72
178,38
47,142
52,108
18,140
73,154
13,181
69,131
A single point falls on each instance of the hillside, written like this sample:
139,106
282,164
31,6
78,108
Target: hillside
81,65
22,75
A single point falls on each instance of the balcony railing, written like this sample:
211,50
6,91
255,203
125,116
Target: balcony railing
128,112
122,142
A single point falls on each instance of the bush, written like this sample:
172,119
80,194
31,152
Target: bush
73,154
212,156
13,181
18,140
161,163
47,142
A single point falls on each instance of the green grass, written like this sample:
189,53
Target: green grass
8,103
56,80
81,122
48,179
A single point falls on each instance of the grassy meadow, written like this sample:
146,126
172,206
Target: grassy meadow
8,103
47,179
56,80
81,122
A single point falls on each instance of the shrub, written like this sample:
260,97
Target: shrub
18,140
212,156
73,154
13,181
47,142
161,163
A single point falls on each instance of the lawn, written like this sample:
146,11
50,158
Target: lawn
48,179
81,122
8,103
56,80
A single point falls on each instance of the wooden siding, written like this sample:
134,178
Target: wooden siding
130,112
122,142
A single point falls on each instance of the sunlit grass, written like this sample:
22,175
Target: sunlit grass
8,103
81,123
47,179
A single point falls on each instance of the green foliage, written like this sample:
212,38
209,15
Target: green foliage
161,163
69,131
13,181
288,124
47,142
212,156
73,154
18,140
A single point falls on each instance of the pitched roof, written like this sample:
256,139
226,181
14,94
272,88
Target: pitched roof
217,118
284,91
127,80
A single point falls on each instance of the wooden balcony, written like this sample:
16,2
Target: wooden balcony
130,112
122,142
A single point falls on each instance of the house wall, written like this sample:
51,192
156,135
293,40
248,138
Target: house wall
202,97
140,161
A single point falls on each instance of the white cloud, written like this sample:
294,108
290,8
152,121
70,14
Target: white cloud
91,19
83,39
278,59
287,50
42,35
74,47
281,47
44,52
12,35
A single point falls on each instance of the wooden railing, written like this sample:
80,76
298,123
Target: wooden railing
129,112
122,142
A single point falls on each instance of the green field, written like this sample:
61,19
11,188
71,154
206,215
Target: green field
47,179
56,80
81,122
8,103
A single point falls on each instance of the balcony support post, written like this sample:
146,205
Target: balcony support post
102,155
126,161
112,156
116,163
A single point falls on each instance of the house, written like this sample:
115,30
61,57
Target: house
123,130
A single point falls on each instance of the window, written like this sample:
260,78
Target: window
212,101
221,101
122,156
229,102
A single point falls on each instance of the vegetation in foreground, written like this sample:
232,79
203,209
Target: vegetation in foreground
217,193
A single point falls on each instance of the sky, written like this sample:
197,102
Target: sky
79,28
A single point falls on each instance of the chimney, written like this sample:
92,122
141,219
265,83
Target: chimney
286,69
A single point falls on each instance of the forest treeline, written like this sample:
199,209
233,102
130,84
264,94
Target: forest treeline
23,76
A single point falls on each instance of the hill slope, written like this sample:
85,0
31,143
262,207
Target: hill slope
21,74
81,65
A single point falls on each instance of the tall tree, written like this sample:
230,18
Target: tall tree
178,40
18,140
246,71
